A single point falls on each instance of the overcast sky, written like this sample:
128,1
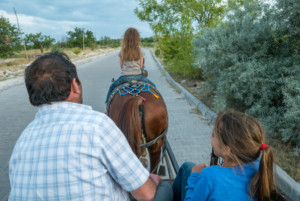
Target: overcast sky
56,17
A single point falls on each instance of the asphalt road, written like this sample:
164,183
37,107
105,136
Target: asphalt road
188,131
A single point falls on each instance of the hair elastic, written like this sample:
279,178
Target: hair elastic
263,146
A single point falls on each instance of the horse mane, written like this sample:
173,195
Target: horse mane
129,122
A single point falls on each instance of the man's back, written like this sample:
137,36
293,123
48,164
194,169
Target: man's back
70,152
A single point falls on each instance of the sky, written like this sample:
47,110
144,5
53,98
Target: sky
56,17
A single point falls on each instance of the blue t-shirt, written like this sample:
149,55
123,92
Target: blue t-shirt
221,183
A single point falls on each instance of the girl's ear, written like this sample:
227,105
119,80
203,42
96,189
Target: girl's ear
227,151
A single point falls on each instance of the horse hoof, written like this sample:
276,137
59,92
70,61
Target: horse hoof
162,170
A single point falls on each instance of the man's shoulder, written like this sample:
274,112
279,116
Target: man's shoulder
72,113
95,117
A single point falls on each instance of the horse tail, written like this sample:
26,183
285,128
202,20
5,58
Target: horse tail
129,121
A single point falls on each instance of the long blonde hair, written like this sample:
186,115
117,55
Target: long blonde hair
131,45
245,136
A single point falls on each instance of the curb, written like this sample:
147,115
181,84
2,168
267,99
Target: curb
285,184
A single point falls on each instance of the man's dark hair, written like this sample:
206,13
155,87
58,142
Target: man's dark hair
48,78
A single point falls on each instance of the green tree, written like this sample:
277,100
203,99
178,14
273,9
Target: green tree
104,41
90,40
183,16
176,21
39,41
9,38
79,37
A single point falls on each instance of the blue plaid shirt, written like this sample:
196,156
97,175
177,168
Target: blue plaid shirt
70,152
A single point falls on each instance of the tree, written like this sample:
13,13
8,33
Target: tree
39,41
90,40
176,21
9,38
172,16
80,38
106,41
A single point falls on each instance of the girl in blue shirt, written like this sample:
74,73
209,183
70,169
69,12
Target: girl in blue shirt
247,171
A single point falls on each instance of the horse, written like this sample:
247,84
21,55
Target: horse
140,112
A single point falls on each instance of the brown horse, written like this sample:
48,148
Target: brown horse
141,113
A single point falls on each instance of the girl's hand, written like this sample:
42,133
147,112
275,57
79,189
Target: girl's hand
198,168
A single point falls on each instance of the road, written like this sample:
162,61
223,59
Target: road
188,131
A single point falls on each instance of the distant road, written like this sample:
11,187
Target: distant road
188,131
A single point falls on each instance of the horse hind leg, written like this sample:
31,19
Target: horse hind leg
155,155
144,159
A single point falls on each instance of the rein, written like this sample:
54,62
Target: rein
148,144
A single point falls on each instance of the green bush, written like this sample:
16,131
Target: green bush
147,44
57,48
157,52
176,51
76,50
252,65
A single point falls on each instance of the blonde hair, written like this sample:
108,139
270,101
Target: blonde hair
131,45
245,136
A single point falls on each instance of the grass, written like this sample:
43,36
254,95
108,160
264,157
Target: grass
12,63
286,157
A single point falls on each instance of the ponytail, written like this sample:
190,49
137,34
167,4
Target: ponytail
262,184
245,136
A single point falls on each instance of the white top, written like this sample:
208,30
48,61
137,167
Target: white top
131,67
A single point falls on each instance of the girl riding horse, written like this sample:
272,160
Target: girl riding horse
131,61
140,112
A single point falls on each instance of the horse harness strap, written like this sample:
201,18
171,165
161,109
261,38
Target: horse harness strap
141,111
134,87
148,144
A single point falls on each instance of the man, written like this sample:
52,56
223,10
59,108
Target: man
69,151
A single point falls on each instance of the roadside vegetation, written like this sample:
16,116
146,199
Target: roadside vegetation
240,54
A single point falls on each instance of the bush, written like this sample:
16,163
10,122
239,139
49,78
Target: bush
157,52
176,51
57,48
249,64
76,50
147,44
